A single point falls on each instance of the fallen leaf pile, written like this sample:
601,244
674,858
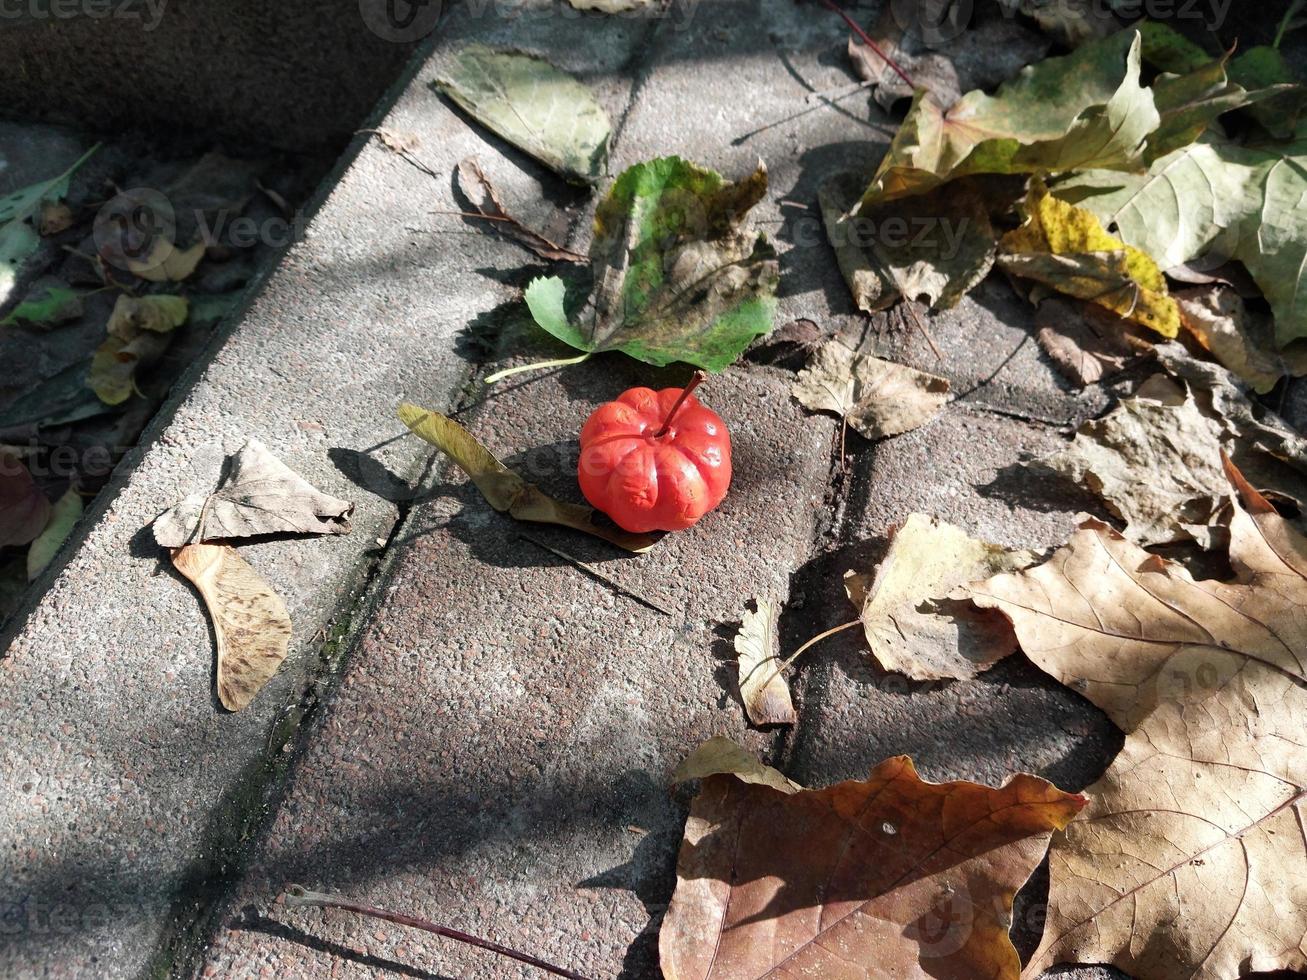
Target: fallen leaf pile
1189,860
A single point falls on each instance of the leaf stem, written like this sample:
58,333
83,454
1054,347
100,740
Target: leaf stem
814,641
298,896
866,39
699,378
561,362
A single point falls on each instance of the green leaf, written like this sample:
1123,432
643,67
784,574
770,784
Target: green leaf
677,275
1189,103
1216,197
1265,67
535,106
1084,110
1166,49
18,239
65,515
46,305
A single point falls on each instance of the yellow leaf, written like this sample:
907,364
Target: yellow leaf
166,262
132,314
1090,263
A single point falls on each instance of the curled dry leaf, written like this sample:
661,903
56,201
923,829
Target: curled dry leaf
64,516
476,187
24,509
1241,340
535,106
1189,862
1154,459
932,247
261,495
913,622
878,398
505,490
249,619
721,755
763,690
139,331
1087,109
891,876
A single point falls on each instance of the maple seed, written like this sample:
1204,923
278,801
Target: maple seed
699,378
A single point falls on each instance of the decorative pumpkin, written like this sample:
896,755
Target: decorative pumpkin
655,460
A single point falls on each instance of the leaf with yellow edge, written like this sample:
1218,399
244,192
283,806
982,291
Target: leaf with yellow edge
1189,861
505,490
1065,247
165,262
250,620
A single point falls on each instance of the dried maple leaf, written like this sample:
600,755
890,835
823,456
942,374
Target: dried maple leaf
892,876
1189,861
763,690
250,621
911,624
261,495
878,398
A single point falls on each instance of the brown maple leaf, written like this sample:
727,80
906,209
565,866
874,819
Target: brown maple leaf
1189,861
892,876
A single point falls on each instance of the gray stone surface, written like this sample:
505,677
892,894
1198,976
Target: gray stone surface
124,792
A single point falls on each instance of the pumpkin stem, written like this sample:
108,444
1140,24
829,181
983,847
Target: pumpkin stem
698,379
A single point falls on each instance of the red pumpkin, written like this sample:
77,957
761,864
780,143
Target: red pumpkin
655,460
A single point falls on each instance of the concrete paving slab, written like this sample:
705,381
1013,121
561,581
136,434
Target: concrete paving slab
125,793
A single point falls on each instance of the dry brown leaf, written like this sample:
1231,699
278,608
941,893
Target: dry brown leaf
721,755
1218,319
249,620
261,495
1086,342
1154,458
481,194
24,509
891,877
763,691
1189,862
878,398
505,490
912,623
